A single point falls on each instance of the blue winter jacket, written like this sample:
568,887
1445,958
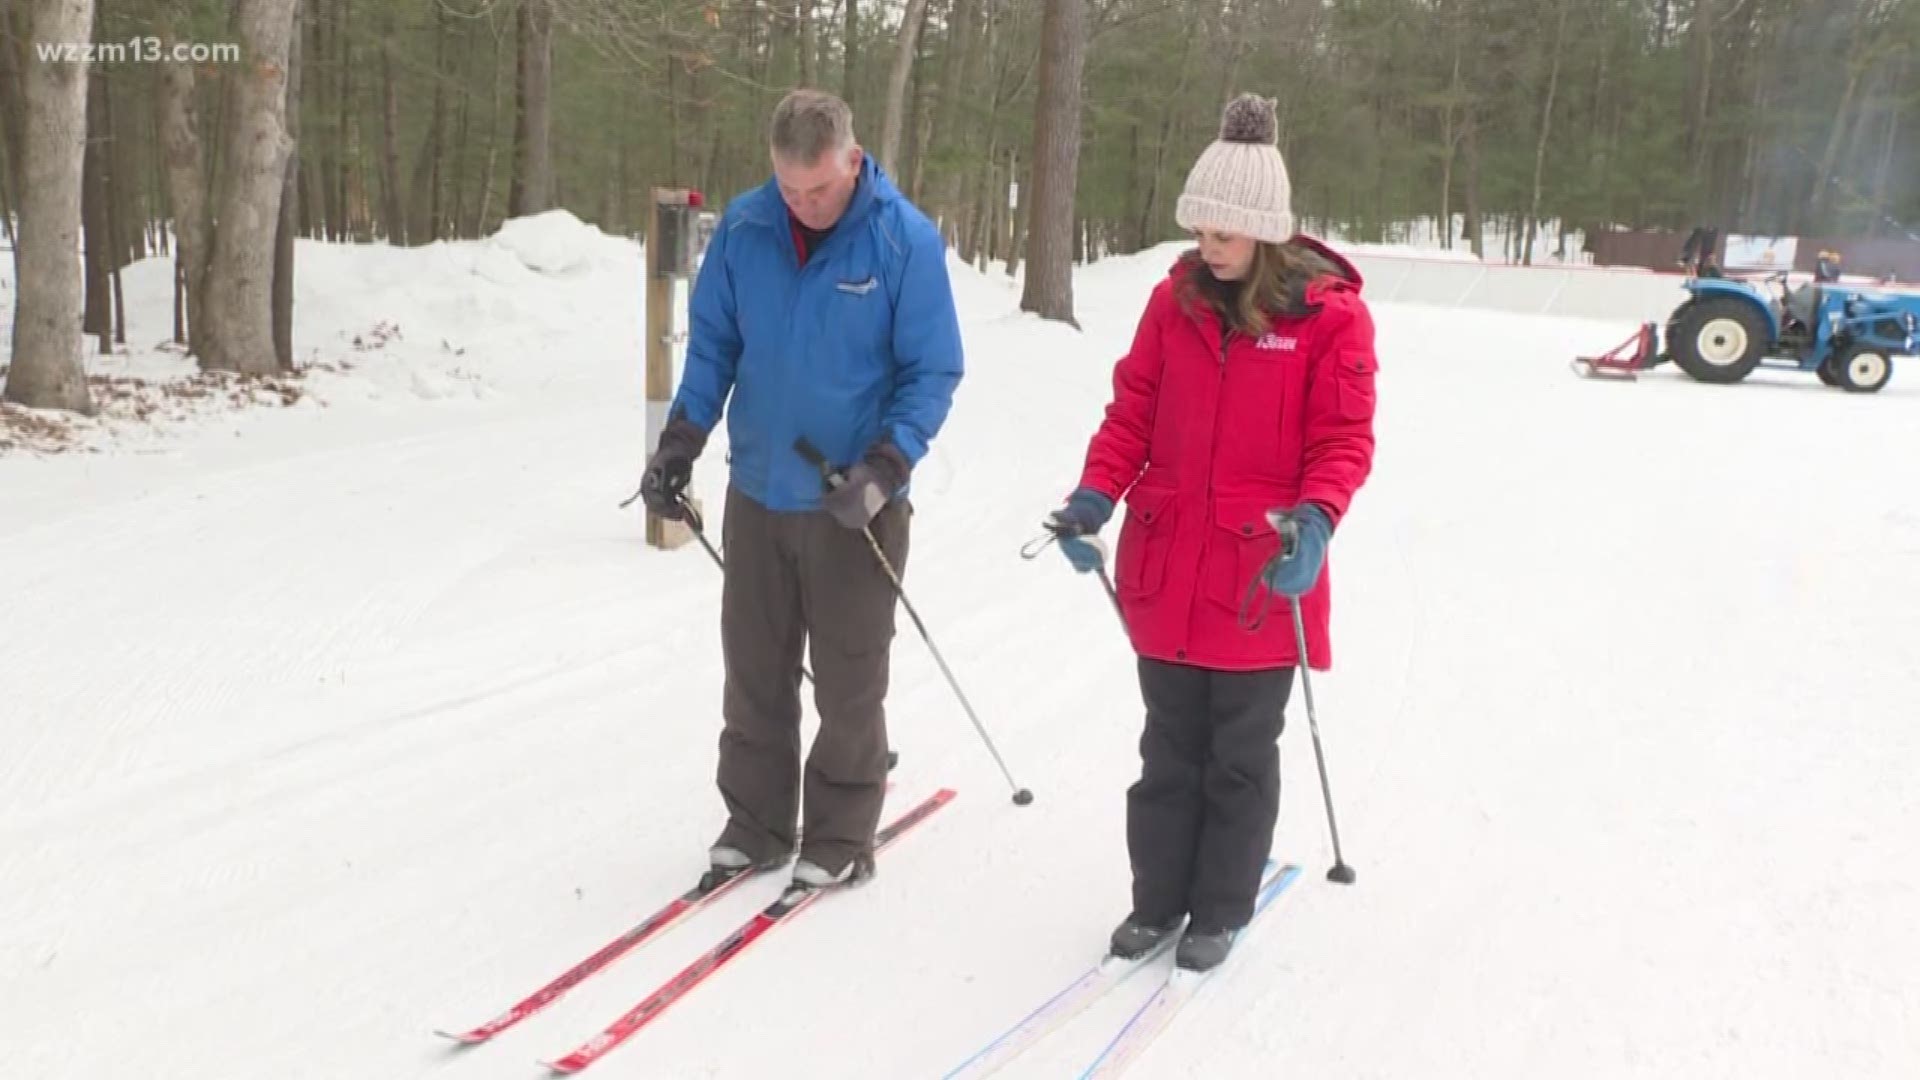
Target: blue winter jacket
858,345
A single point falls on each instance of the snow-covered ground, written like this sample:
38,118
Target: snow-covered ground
325,726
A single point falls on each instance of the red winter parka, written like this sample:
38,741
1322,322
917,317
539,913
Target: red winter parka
1207,432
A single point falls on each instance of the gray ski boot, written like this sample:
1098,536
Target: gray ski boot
1133,939
1203,950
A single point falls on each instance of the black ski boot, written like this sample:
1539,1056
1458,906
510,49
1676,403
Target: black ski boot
1203,950
1133,939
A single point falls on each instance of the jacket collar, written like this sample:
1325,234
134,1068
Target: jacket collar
765,207
1346,278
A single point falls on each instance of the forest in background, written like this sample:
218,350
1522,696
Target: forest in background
417,120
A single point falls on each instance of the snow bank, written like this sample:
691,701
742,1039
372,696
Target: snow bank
554,242
455,323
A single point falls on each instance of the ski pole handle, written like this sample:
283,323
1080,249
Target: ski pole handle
1288,527
818,460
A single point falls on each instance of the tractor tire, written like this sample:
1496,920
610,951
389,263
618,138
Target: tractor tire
1862,369
1720,340
1827,373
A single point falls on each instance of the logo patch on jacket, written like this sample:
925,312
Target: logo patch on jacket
1275,341
857,288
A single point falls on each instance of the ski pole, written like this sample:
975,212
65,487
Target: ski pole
1032,549
700,534
1289,531
1021,796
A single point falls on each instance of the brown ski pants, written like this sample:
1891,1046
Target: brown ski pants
803,583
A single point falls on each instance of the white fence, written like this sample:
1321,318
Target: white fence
1583,292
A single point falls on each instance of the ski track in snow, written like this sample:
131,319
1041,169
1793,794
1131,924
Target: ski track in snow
364,721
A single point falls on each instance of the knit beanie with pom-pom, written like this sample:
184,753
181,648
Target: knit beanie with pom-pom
1240,183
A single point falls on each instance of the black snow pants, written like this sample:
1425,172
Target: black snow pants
1200,819
802,582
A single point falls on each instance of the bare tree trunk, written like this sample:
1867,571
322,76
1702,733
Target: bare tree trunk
806,42
1056,160
6,189
239,303
391,206
673,124
532,190
349,151
96,318
849,74
186,188
333,143
1473,232
1130,202
461,127
423,214
289,225
1449,147
904,51
48,370
483,214
919,126
1820,201
1148,209
1014,235
1546,129
435,211
118,188
1750,205
948,136
1880,173
13,28
1701,38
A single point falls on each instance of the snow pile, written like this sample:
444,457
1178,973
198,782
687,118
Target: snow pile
554,242
546,300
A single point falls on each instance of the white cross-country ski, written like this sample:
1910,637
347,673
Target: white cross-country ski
1055,1013
1063,1007
1180,987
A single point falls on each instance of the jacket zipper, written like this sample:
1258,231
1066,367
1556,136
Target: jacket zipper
1213,438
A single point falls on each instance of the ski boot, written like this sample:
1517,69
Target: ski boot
1203,950
726,862
1133,939
808,874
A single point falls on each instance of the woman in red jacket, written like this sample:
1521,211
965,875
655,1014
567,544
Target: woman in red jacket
1249,388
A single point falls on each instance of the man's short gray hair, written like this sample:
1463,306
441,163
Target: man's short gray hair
809,123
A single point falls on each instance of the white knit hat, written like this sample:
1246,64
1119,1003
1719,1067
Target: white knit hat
1240,183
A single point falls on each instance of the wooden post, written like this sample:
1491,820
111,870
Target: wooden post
662,273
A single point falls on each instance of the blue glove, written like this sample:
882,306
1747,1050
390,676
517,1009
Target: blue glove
1295,576
1085,514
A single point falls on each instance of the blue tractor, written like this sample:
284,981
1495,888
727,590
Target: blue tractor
1846,334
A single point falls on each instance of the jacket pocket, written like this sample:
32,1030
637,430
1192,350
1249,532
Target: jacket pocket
1355,368
1146,539
1238,547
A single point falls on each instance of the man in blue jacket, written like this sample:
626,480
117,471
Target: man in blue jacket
823,314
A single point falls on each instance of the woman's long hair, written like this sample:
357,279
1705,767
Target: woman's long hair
1276,284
